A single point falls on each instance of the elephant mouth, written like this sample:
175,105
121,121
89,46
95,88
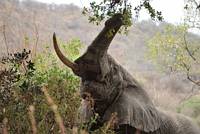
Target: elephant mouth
100,104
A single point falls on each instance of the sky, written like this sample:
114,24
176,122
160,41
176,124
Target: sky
172,10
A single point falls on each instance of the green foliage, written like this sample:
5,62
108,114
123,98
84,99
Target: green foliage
155,15
20,87
107,8
192,103
170,50
49,65
192,106
72,49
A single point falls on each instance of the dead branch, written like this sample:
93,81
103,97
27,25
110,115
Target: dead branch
5,39
32,119
54,108
192,80
36,36
189,77
5,122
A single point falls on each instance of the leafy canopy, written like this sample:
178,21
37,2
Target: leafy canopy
97,12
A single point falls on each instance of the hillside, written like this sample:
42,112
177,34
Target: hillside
29,20
30,24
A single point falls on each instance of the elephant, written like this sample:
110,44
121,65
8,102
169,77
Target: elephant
107,88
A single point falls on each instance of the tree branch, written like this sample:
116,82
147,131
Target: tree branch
192,80
189,76
187,48
5,39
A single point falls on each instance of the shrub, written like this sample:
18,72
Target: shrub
21,83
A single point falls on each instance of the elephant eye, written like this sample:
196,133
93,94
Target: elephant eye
83,96
86,95
114,69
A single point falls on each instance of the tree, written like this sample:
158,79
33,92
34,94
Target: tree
172,49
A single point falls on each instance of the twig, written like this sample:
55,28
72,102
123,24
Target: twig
192,80
113,120
32,119
5,39
54,108
37,37
187,96
188,74
195,2
5,122
187,49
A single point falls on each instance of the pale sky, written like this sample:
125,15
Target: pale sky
172,10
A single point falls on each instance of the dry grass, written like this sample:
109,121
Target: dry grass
54,108
5,122
166,93
111,123
165,99
32,119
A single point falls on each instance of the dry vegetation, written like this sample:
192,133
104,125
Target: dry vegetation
24,108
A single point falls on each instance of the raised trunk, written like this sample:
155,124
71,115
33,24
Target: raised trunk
103,40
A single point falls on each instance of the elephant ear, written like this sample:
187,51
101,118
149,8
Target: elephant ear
135,109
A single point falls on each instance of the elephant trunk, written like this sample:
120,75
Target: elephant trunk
103,40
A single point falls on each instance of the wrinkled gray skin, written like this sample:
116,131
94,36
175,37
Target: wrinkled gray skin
113,90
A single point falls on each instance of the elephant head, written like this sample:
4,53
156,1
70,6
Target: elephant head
93,64
94,67
111,87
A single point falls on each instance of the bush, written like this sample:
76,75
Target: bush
21,83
